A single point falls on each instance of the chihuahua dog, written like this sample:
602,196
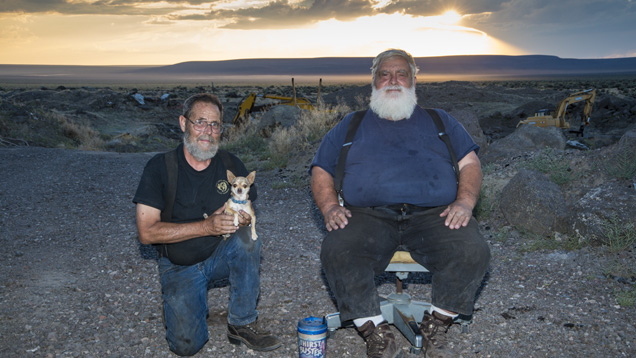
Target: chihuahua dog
240,187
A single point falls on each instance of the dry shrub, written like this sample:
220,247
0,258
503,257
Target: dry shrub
85,136
283,142
43,127
306,133
245,141
623,164
362,102
313,125
244,136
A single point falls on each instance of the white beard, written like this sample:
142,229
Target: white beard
393,106
196,151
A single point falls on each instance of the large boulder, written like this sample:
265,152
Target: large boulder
627,143
613,202
280,116
471,123
526,138
622,162
530,201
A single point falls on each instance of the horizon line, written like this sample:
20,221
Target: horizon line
315,58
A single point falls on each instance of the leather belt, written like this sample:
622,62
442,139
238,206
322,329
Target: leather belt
401,209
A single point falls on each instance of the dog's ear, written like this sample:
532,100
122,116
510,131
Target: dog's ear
230,176
250,177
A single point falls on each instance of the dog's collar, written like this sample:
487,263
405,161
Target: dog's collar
239,201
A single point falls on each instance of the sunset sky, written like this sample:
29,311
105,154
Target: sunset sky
154,32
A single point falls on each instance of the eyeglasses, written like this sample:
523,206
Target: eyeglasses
201,125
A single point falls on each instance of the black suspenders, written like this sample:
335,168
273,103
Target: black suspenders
351,131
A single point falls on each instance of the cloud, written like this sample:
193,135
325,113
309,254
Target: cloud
436,7
281,14
288,14
587,27
250,14
583,28
97,7
489,15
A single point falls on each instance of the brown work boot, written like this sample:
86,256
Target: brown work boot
253,337
380,340
434,328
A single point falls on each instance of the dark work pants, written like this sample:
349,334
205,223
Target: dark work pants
351,257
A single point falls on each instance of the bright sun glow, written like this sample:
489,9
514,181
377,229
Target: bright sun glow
118,40
450,17
421,36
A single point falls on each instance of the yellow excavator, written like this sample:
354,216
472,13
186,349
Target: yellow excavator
247,105
544,118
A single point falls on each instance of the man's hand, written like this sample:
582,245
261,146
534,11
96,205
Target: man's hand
245,219
220,223
336,217
457,215
322,187
459,212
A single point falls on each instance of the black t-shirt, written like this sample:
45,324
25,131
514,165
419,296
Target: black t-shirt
198,192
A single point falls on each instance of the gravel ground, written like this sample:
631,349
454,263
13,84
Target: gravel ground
75,282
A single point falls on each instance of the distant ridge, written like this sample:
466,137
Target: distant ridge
481,64
481,67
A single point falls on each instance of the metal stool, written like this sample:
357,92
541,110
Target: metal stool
398,309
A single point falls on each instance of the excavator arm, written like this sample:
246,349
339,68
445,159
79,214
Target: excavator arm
587,111
246,106
558,117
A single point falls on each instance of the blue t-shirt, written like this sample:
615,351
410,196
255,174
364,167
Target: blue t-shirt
396,162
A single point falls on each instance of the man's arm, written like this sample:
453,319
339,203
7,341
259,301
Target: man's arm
326,198
153,231
459,212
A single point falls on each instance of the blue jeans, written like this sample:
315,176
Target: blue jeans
184,290
351,257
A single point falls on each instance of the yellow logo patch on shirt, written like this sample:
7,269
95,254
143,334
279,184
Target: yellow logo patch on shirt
222,186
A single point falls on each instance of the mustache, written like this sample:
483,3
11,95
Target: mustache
392,88
205,137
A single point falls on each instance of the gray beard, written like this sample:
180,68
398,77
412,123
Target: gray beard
393,107
198,153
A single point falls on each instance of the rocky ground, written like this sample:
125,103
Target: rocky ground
75,282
